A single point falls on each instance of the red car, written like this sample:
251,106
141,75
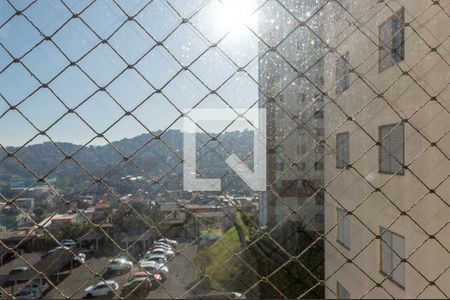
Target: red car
155,278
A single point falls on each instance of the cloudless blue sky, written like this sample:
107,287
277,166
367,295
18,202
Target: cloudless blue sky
45,61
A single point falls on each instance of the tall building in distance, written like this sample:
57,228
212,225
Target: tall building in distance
387,164
291,78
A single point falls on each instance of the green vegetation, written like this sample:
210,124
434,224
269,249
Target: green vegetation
210,234
226,271
256,250
72,231
300,274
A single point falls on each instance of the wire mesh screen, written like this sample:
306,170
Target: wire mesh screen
224,149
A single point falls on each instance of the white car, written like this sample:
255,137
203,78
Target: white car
79,259
155,267
120,265
54,250
103,288
162,245
173,243
161,258
161,251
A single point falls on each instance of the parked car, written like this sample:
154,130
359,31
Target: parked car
162,245
161,258
155,267
138,287
155,278
120,265
17,270
54,250
79,259
168,253
28,294
171,242
68,243
42,287
102,288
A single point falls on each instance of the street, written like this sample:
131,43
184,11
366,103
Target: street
181,276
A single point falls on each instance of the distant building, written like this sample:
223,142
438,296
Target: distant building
19,181
35,191
172,213
25,203
102,212
58,222
291,75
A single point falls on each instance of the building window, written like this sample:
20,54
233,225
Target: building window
302,97
392,40
392,252
319,219
319,200
318,98
392,149
319,166
343,228
342,293
318,114
319,132
342,149
301,166
343,73
320,149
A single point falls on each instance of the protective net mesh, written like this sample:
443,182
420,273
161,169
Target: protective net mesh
93,96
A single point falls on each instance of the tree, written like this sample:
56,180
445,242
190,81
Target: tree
38,212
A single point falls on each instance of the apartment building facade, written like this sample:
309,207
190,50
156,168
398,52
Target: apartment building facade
387,163
291,75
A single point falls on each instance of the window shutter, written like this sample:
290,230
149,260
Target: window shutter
392,148
340,234
346,148
385,162
346,79
385,38
343,228
342,73
342,293
396,139
398,36
386,252
346,226
398,247
342,149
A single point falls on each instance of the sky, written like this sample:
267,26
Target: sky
72,86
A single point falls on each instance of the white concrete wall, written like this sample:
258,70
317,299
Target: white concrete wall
405,97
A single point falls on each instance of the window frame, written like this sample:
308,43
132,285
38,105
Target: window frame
339,157
341,221
400,171
339,287
343,72
390,277
387,52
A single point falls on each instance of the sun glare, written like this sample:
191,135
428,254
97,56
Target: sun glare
234,15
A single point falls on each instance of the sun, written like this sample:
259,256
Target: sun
235,15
